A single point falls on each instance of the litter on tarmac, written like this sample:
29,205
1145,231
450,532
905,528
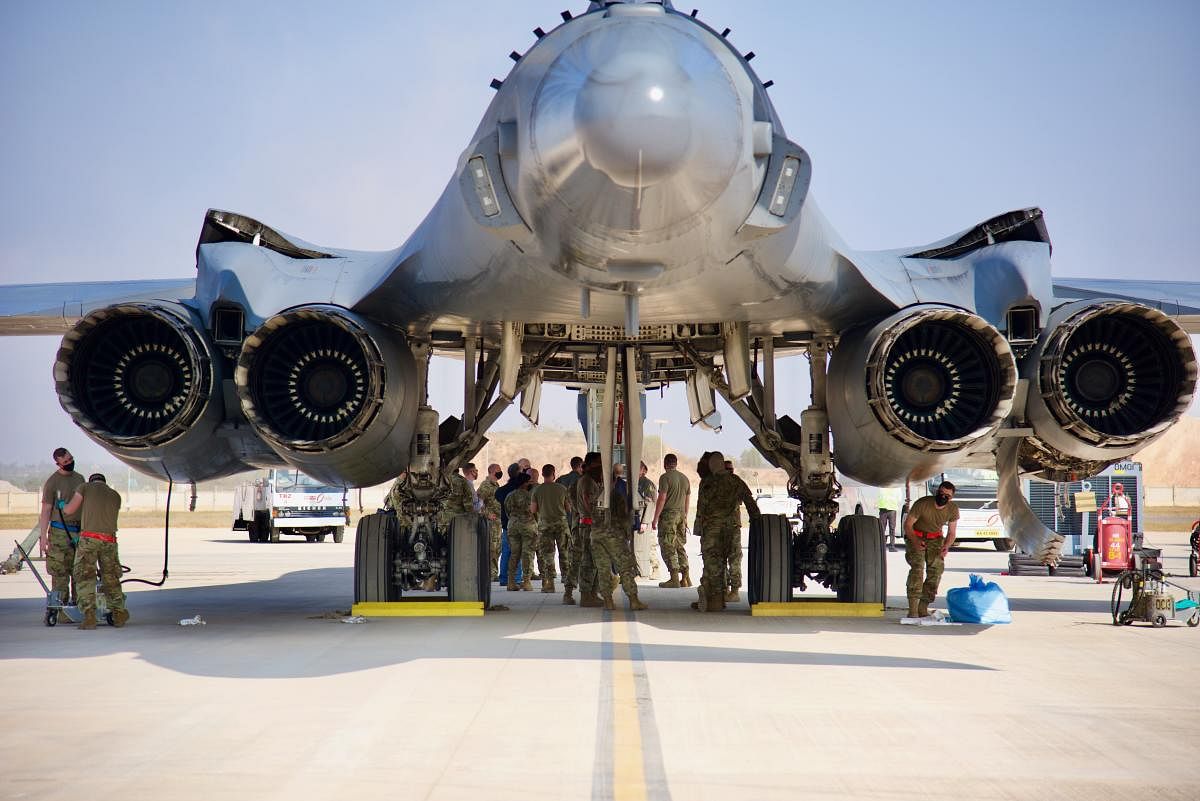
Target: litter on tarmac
193,621
935,618
354,619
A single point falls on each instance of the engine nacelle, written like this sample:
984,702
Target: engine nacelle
909,393
1105,379
333,394
142,381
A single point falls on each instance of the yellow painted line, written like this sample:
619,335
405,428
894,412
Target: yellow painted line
419,609
629,775
816,609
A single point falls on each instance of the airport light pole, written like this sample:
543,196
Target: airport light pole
661,423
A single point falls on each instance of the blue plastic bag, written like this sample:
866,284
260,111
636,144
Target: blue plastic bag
981,602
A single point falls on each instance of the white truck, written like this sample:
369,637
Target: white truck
289,502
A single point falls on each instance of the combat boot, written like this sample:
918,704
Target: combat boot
608,602
701,605
912,608
568,598
636,605
733,596
590,599
672,582
89,620
527,584
923,608
686,579
512,586
119,618
548,584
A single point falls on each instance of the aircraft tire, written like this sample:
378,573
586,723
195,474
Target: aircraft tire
864,549
373,554
770,560
470,572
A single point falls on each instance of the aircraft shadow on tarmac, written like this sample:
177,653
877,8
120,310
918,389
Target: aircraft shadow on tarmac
274,629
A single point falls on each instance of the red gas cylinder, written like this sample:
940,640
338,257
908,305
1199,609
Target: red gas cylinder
1114,541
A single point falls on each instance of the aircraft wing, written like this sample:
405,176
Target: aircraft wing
36,309
1178,299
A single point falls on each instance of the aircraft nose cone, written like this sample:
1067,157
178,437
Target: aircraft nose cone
636,126
634,118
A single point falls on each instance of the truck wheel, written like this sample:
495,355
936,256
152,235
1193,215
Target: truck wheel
770,560
863,547
310,537
324,533
373,554
470,571
339,533
1002,544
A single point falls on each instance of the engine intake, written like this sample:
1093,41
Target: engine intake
312,383
1105,379
914,389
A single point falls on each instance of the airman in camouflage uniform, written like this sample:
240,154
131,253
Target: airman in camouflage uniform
395,501
610,545
720,492
733,559
587,493
491,511
522,532
98,506
59,544
670,516
925,547
461,499
552,501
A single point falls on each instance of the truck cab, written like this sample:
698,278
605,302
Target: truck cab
290,502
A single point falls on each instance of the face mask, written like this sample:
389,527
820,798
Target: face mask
69,466
942,499
497,475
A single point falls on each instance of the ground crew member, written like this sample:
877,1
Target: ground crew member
59,544
501,497
720,493
889,502
647,496
587,493
733,559
610,546
522,532
461,499
491,512
551,501
1120,501
924,547
670,519
98,506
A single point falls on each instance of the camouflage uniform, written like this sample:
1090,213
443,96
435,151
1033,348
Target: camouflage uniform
99,522
491,510
719,496
671,524
733,557
60,556
584,574
460,501
610,546
553,531
394,500
924,553
522,534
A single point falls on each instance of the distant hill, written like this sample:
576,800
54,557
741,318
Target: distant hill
1174,459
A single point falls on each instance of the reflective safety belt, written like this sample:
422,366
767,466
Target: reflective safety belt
927,535
99,535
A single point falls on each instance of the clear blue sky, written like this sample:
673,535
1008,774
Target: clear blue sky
341,123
